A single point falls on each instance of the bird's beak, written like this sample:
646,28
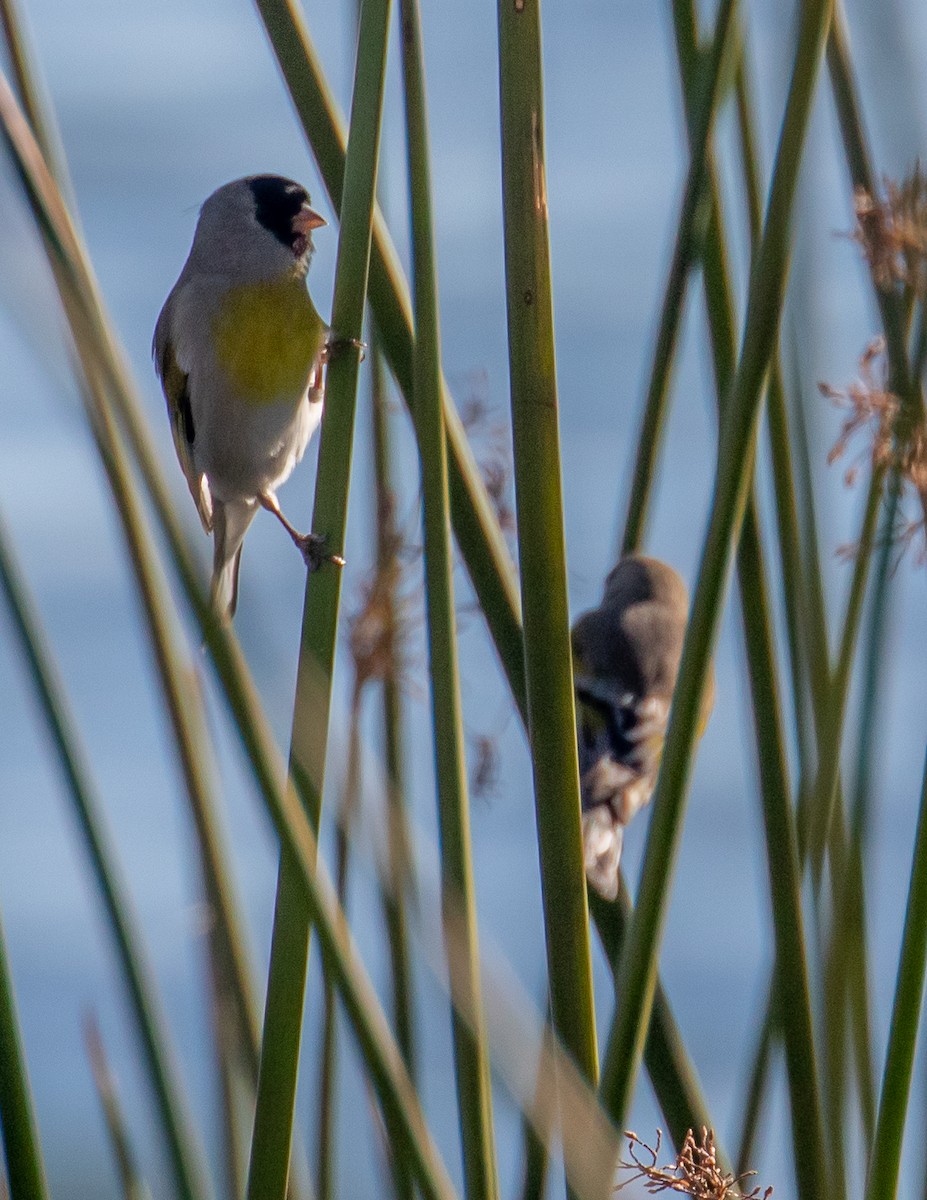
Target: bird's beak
306,220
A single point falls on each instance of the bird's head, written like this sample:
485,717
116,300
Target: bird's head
259,228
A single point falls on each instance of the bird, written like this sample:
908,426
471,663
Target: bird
626,656
240,348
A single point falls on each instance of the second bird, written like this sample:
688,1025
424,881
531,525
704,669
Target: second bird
626,657
240,348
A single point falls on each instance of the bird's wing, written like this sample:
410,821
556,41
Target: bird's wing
176,387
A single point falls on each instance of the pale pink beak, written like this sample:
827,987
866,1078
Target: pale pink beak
306,220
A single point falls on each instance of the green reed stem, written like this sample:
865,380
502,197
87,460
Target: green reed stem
179,681
328,1070
637,974
286,983
401,883
875,662
885,1159
694,215
862,175
471,1054
796,602
20,1133
185,1155
673,1076
130,1179
826,784
755,606
542,556
377,1046
481,541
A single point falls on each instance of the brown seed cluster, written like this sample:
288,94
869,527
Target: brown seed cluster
892,232
868,405
696,1171
379,630
893,441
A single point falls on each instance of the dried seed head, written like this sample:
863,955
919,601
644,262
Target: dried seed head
892,232
895,441
696,1171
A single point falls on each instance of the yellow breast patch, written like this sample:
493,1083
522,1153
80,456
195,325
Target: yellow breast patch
267,336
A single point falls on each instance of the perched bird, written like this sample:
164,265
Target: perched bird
626,658
239,348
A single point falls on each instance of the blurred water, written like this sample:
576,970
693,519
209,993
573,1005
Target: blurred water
160,104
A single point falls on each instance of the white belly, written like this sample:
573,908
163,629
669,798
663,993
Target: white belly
245,450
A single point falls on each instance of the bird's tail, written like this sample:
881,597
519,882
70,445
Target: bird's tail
230,524
603,835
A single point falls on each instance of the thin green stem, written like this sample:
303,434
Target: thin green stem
20,1133
328,1071
826,783
130,1179
637,975
186,1157
875,661
401,882
542,554
471,1053
673,1076
693,218
885,1160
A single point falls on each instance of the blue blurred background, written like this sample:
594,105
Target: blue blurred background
158,105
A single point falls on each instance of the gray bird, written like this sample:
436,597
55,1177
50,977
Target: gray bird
626,658
239,348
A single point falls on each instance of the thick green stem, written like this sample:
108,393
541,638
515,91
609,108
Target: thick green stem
542,554
273,1124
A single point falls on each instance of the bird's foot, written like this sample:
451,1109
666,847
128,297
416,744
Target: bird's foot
312,546
335,343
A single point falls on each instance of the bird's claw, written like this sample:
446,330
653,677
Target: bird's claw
312,547
336,342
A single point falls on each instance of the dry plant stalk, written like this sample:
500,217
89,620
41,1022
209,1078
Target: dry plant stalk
894,444
696,1171
379,630
893,232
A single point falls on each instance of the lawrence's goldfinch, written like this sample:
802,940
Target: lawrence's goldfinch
626,658
239,348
